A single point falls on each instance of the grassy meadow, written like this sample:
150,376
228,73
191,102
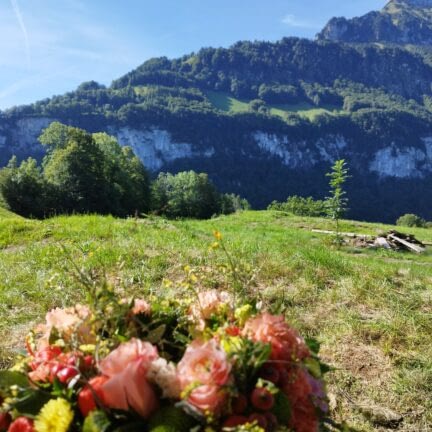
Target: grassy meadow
228,103
370,309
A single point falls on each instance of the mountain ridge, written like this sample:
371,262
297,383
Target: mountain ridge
399,22
265,120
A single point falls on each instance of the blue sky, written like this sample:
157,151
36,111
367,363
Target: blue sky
49,47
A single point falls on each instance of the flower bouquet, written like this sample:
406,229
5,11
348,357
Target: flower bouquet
186,362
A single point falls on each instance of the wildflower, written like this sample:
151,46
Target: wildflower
55,416
217,235
243,313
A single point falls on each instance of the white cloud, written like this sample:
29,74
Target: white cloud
292,21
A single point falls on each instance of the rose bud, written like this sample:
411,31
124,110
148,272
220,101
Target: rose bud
86,397
5,421
21,424
262,399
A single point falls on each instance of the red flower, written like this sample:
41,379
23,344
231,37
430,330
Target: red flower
86,397
233,331
300,392
21,424
304,417
5,421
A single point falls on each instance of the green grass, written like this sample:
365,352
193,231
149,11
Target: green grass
6,214
371,309
305,110
226,102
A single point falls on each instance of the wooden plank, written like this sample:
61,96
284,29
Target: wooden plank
407,244
353,235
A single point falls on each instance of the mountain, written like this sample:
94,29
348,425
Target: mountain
266,120
399,22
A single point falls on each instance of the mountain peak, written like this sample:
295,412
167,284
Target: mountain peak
399,22
412,3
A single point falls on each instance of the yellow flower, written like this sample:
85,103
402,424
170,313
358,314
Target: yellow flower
215,245
243,313
55,416
217,235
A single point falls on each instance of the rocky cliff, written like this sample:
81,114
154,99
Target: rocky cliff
399,22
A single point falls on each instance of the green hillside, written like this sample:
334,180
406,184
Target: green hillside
316,101
371,309
229,104
6,214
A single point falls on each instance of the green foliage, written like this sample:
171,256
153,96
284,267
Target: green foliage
411,220
313,90
24,188
128,179
300,206
191,195
171,419
96,421
231,203
337,202
81,173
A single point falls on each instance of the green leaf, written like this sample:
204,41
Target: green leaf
171,419
314,367
96,421
156,335
313,345
282,408
9,378
31,402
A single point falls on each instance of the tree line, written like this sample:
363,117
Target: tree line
92,173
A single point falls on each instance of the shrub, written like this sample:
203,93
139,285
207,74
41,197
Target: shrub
301,206
411,220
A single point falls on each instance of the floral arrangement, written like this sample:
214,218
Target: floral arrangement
200,360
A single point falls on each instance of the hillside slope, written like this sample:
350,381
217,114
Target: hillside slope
370,309
266,120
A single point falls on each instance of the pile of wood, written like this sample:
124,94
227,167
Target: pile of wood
399,241
392,240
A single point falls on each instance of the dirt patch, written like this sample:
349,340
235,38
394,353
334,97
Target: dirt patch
367,363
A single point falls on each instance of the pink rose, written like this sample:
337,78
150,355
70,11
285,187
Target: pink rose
208,304
203,372
287,345
127,386
140,307
70,321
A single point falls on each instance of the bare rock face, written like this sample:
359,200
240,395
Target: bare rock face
399,22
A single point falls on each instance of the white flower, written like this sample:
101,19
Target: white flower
164,375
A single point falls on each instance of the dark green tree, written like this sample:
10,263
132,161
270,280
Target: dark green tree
23,188
186,194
